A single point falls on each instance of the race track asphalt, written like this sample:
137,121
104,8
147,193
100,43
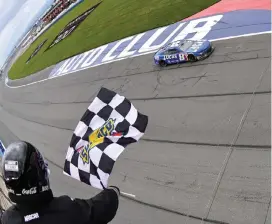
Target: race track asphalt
206,152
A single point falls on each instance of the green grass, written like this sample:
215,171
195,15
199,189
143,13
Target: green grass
111,21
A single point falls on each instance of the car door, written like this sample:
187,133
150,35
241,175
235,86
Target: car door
182,56
172,56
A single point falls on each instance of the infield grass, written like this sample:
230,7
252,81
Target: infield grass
110,21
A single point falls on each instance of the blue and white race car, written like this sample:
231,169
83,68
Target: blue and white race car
183,51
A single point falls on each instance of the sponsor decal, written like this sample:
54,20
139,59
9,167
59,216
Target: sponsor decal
183,57
178,57
12,166
45,188
97,137
32,190
169,57
71,26
31,217
195,47
36,51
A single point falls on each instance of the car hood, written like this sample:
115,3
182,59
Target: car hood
203,45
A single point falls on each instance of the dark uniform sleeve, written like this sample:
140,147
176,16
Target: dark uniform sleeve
1,215
102,208
10,216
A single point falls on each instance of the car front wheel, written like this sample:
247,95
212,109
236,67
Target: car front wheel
191,58
162,63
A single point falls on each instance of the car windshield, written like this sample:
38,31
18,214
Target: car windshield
186,45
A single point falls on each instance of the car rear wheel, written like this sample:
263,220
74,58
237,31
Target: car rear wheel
191,58
162,63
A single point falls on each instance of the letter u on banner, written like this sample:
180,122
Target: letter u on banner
147,46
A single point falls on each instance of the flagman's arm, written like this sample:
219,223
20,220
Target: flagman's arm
103,207
1,214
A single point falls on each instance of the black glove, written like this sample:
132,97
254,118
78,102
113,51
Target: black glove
116,189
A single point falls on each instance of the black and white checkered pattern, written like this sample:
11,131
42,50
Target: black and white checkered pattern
102,157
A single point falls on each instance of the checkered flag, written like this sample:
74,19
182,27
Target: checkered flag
2,148
110,123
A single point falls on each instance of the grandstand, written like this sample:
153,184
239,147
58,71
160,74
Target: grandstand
56,9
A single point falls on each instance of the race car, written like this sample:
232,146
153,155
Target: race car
183,51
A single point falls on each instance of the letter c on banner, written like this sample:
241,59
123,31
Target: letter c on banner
147,46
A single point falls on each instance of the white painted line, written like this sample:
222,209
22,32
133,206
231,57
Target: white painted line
243,35
232,148
120,59
127,194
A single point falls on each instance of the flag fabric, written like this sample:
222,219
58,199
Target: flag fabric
110,123
2,148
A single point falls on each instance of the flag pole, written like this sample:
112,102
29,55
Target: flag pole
127,195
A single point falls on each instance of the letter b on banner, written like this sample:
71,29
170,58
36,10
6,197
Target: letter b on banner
200,32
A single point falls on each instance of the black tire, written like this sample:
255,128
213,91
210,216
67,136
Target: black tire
192,58
162,63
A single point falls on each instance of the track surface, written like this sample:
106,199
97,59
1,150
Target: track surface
206,152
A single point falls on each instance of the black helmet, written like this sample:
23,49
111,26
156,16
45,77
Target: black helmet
24,170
